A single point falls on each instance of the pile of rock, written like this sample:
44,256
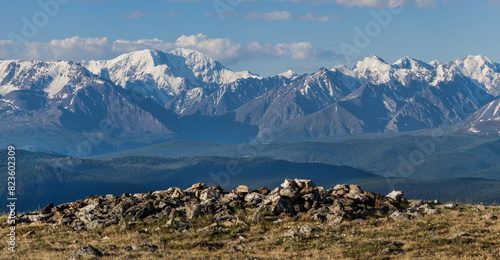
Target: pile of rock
343,202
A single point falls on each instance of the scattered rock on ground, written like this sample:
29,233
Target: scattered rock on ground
399,215
85,252
147,246
489,216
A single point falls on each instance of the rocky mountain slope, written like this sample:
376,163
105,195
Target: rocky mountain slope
485,121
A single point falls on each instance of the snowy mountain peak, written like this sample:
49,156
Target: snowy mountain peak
373,69
473,63
209,70
49,77
479,68
373,62
435,63
341,67
478,59
288,74
149,57
320,73
376,57
409,63
194,57
323,70
162,76
344,70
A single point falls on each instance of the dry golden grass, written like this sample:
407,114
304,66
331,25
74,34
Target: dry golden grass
428,237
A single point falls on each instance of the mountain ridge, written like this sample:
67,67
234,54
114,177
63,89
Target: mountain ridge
182,92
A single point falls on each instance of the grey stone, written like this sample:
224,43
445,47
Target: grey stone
257,217
396,215
479,208
147,246
333,219
263,191
489,216
178,193
396,244
355,187
254,198
395,195
341,189
291,194
289,184
450,206
305,230
86,251
242,188
197,186
302,183
289,233
387,250
459,234
193,211
282,205
431,211
209,194
416,203
425,206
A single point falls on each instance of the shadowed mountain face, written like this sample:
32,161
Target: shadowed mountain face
485,121
378,108
150,96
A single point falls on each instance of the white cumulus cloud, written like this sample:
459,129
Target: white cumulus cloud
228,51
222,49
423,4
6,49
223,13
137,14
312,17
276,15
170,13
74,48
373,3
426,3
494,2
297,51
124,46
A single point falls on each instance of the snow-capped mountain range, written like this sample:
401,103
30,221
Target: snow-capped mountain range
164,76
184,93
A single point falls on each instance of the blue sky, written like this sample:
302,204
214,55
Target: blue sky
265,37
